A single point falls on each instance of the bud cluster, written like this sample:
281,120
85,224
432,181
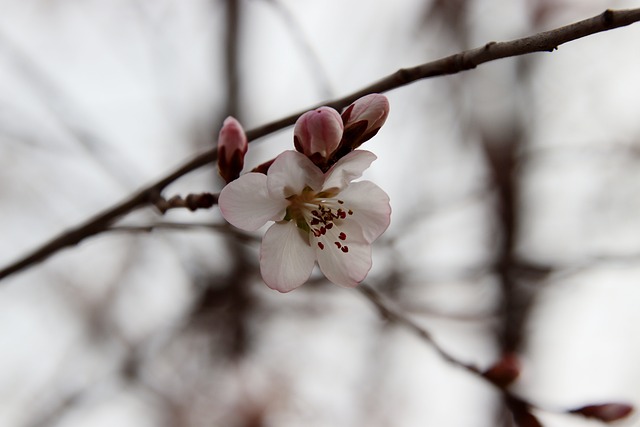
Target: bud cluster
323,135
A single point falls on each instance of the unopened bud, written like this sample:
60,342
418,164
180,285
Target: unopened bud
232,147
505,371
364,118
606,412
317,133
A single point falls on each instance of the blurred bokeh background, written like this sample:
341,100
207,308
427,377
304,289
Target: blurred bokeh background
515,190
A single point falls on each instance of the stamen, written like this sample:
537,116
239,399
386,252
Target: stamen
345,249
317,213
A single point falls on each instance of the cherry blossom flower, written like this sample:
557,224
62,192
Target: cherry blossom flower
232,147
319,216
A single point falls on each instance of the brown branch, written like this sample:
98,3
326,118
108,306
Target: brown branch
467,60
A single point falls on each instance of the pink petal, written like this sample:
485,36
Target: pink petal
370,207
286,259
246,203
374,108
318,131
348,168
290,173
344,268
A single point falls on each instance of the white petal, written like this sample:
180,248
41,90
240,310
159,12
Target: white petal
290,173
344,268
246,203
370,206
348,168
286,259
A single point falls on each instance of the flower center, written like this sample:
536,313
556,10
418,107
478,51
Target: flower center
320,215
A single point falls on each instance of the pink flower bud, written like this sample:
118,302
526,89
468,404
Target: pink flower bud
373,109
362,121
232,146
318,133
606,412
505,371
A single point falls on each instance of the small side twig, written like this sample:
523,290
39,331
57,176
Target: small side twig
185,226
192,202
396,316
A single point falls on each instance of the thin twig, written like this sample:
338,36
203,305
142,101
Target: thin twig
192,202
165,225
396,316
186,226
467,60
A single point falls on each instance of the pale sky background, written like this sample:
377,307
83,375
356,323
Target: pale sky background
98,98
